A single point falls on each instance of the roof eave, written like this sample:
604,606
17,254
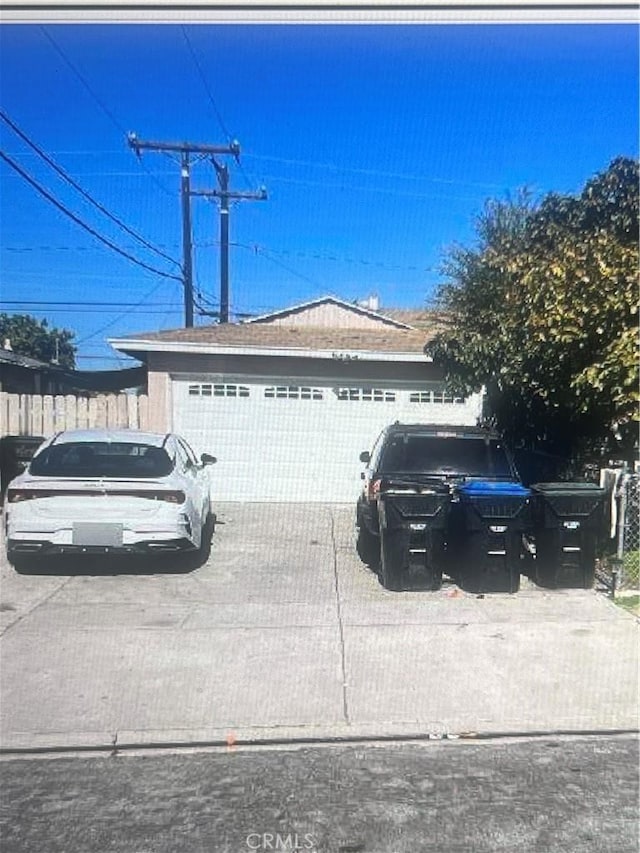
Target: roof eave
140,345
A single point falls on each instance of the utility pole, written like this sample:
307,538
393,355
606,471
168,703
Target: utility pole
224,194
187,248
185,149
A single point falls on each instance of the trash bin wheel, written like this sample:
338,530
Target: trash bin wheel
435,581
584,579
514,581
389,572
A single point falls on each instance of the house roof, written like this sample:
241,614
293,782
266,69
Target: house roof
303,330
259,336
78,380
329,300
8,356
419,318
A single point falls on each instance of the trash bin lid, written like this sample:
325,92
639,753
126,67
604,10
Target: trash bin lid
568,489
493,487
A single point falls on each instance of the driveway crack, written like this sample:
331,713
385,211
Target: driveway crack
38,604
336,586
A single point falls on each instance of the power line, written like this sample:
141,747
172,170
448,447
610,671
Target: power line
385,190
263,254
327,255
318,256
21,249
101,174
373,172
82,191
205,84
82,304
81,223
119,317
98,101
207,89
19,308
78,311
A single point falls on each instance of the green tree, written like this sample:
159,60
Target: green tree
543,312
35,339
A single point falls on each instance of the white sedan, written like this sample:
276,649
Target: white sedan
103,490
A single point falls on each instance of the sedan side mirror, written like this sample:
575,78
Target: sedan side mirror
365,456
207,459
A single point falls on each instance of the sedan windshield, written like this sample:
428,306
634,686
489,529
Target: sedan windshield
438,455
89,459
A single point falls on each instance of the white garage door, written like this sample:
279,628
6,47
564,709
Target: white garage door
298,440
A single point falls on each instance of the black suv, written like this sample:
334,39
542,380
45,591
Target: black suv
404,510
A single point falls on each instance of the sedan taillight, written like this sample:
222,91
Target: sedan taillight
170,496
15,496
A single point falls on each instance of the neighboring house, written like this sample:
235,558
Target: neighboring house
20,374
287,401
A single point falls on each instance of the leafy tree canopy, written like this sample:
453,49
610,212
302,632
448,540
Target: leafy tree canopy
35,339
543,312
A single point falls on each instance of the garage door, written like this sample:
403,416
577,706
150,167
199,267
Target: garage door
298,440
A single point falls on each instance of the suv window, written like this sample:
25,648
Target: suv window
469,457
101,459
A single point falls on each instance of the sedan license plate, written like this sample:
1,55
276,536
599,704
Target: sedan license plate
97,533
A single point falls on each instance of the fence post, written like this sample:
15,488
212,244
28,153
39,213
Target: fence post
622,514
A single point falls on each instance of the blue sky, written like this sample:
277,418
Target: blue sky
378,145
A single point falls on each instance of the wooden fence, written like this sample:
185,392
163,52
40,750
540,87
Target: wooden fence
33,414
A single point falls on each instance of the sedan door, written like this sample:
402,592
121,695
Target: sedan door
198,478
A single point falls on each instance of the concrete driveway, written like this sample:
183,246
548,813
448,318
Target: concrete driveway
285,635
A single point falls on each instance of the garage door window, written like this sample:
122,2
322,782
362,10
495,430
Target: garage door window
208,389
434,397
375,395
292,392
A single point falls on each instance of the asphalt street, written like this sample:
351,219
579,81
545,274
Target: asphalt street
574,795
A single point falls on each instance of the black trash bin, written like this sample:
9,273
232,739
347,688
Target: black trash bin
412,533
567,522
486,535
16,451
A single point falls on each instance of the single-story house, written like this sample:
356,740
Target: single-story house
287,401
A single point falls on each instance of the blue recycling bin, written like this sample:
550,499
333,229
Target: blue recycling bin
486,534
567,522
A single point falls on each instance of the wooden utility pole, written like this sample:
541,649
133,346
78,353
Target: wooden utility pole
185,149
224,194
